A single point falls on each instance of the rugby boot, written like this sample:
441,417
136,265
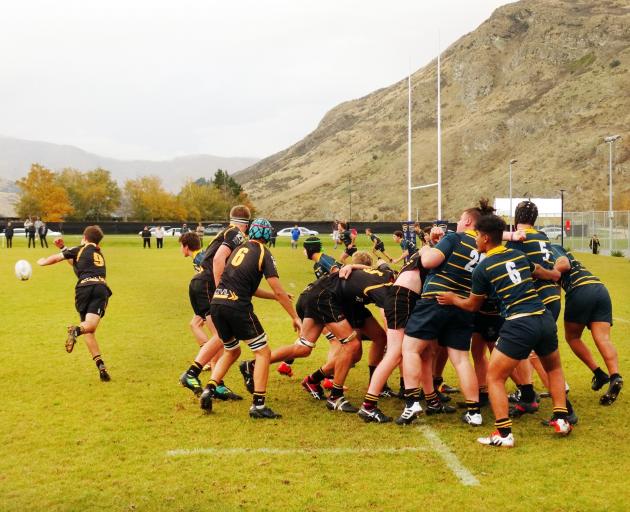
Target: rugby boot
247,371
191,382
222,392
374,415
263,413
599,381
313,388
521,408
561,426
495,439
341,404
616,383
571,418
205,400
72,338
412,410
473,419
285,369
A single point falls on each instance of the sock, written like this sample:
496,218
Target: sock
600,374
437,382
371,369
336,391
560,413
569,407
289,361
432,399
484,397
317,376
412,395
212,384
504,426
402,383
527,393
78,331
98,361
259,399
614,376
195,369
472,407
370,401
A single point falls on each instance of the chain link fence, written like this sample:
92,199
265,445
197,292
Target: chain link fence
613,236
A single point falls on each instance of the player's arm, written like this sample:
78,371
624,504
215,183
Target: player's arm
346,270
261,293
431,257
404,254
562,264
283,298
50,260
514,236
545,274
218,262
472,303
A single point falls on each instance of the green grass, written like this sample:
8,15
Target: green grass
71,442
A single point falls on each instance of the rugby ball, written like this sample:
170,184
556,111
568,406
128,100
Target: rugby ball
23,270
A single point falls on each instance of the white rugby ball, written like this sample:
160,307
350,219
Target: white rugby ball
23,270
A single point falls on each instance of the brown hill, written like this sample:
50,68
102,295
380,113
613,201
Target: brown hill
541,81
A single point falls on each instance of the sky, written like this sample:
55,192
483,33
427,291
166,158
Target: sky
156,79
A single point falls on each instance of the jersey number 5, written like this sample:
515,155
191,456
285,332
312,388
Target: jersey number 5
239,256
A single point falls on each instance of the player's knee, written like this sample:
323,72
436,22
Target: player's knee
231,345
303,347
257,343
350,338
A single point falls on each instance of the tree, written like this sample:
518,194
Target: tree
43,196
101,194
201,200
147,200
228,185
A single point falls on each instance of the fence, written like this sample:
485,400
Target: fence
613,236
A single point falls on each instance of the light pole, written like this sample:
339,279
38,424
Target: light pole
610,140
350,198
513,161
562,217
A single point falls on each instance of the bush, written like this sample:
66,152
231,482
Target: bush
616,254
615,63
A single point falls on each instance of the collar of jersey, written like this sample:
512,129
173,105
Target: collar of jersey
319,257
471,232
530,230
496,250
194,254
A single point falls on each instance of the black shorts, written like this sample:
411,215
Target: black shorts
237,324
91,299
357,315
399,305
450,326
520,336
588,303
350,251
319,303
488,326
200,292
380,247
554,308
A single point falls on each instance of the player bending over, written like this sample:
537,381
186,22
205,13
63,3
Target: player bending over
378,247
91,293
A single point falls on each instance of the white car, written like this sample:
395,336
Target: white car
552,232
303,231
153,228
173,232
22,232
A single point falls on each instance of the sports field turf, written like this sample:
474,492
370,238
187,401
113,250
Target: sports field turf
140,442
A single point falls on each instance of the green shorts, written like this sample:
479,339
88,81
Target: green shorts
518,337
588,303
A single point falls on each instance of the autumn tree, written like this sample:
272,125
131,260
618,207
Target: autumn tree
43,196
202,200
94,195
147,200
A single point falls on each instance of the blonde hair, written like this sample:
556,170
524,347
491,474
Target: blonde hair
362,258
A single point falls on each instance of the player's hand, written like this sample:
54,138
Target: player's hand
345,271
291,296
520,235
59,243
41,261
446,299
436,234
297,324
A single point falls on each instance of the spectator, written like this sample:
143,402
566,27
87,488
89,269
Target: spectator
200,232
8,233
335,233
146,237
29,228
42,231
295,236
274,234
159,237
185,228
594,244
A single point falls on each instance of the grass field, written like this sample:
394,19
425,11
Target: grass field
71,442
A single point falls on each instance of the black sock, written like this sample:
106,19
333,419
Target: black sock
289,361
432,399
560,413
614,376
371,370
98,361
370,401
317,376
437,382
527,393
212,384
195,369
569,407
336,391
504,426
259,398
78,331
472,407
600,374
402,383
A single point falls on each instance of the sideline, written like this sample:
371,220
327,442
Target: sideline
449,458
292,451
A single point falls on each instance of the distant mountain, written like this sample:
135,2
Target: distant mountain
17,155
540,81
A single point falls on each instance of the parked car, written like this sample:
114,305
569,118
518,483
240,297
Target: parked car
213,229
173,232
153,228
552,232
22,232
303,231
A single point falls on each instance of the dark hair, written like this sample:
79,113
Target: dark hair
526,212
482,210
312,245
398,233
342,225
493,226
93,234
190,240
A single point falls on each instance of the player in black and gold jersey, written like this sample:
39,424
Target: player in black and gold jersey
91,291
507,275
233,314
537,248
378,247
348,240
209,265
588,304
452,262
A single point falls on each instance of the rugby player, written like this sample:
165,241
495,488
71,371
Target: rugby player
407,246
233,314
91,293
345,235
507,275
209,267
588,304
377,245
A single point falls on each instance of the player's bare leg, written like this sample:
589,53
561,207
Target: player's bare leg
196,326
415,368
468,382
87,328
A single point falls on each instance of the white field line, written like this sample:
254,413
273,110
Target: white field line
449,458
292,451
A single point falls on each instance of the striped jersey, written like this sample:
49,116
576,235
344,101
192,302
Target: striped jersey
324,264
577,275
537,248
363,286
507,275
454,274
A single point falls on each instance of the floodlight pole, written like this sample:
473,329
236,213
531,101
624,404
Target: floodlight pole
512,161
409,146
439,134
610,141
562,217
